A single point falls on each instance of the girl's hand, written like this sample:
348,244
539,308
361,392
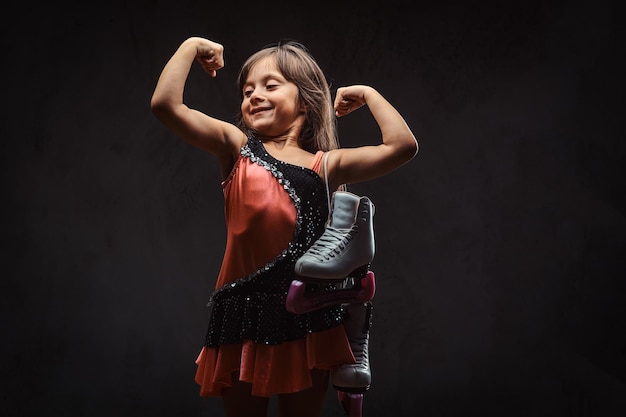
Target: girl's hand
349,99
210,55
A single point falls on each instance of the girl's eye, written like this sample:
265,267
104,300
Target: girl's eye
271,86
247,93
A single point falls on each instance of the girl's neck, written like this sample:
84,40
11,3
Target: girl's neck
279,142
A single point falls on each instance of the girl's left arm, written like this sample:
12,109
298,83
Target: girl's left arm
399,146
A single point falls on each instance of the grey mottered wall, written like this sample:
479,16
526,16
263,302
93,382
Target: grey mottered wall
499,259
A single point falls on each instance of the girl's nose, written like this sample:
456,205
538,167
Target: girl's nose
255,96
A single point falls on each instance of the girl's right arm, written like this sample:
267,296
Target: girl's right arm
218,137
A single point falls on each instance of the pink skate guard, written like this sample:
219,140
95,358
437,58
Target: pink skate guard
352,403
300,301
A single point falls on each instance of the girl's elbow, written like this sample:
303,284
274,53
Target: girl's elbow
157,105
409,151
161,108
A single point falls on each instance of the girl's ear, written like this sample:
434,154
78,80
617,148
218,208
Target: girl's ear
303,107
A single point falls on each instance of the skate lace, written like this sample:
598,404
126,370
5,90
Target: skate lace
332,242
359,349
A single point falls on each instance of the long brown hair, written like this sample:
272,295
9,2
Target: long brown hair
298,66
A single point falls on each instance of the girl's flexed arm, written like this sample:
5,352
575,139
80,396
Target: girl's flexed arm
213,135
368,162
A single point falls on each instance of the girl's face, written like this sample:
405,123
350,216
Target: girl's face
270,103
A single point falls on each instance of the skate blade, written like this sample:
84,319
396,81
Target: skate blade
352,390
358,273
300,300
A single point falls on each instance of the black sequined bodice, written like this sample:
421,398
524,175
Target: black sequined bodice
253,307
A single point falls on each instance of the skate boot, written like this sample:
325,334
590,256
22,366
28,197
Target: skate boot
356,378
346,248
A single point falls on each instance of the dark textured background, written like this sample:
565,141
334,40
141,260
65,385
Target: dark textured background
499,266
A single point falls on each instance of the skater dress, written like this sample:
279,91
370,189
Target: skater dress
274,212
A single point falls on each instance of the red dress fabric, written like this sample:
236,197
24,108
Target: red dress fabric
272,369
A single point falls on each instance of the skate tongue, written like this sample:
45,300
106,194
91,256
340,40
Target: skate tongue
345,206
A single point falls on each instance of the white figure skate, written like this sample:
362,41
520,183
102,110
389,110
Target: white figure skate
352,380
347,246
335,269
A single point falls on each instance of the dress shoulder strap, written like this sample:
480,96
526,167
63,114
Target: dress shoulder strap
326,181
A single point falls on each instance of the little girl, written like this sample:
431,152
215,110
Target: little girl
275,208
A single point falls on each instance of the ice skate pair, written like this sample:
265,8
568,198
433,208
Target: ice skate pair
335,270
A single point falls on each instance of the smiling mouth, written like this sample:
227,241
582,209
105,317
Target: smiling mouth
259,110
